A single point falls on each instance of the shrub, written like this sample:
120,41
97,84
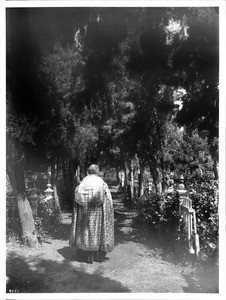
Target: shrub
37,181
205,201
161,215
9,190
41,231
13,231
166,222
46,222
149,213
48,218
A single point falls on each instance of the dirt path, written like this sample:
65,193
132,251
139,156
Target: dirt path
133,266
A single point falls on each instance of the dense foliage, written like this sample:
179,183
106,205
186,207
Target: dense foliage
166,224
48,219
46,222
108,86
205,201
161,215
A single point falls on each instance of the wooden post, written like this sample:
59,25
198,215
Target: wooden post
186,211
197,246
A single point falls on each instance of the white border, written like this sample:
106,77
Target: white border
115,3
222,151
222,211
3,150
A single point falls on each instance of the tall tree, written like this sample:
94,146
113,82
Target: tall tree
20,131
197,60
22,124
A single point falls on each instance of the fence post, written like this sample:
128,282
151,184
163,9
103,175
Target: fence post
186,211
150,184
197,245
122,179
48,192
182,192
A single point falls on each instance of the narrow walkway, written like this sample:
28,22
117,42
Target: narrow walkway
134,266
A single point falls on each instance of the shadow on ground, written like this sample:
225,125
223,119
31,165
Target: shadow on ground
33,274
70,253
62,233
126,230
47,276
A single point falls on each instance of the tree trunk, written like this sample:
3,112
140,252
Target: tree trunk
162,172
16,176
77,176
132,181
215,156
141,180
54,183
215,169
118,179
83,171
127,180
64,170
72,173
154,174
129,183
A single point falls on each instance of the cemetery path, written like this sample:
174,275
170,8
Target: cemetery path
134,266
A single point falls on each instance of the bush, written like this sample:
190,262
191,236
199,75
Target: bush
46,223
37,181
9,190
13,231
66,196
160,214
167,224
48,218
149,213
205,202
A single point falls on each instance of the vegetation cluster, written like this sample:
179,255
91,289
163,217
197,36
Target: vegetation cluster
160,214
134,90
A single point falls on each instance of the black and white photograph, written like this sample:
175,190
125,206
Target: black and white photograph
114,149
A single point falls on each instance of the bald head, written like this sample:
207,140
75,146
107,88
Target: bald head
93,169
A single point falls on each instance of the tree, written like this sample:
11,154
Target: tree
102,85
27,111
147,93
197,61
58,70
69,135
20,133
133,102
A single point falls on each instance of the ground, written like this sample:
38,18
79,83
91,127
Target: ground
134,266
